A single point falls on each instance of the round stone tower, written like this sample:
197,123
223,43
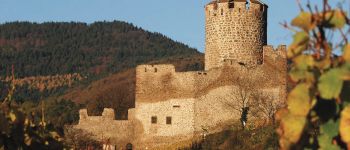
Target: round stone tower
235,30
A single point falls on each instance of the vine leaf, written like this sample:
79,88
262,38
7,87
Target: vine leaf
297,75
299,100
293,127
344,127
303,62
346,53
330,84
328,132
303,21
335,19
299,44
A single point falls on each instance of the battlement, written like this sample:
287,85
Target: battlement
218,7
153,69
107,113
274,53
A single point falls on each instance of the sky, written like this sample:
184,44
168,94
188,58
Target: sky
181,20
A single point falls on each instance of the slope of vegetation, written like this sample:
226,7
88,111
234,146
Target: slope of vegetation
90,49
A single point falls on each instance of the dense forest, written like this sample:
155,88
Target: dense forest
90,49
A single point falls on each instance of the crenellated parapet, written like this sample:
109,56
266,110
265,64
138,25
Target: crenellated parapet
107,114
155,69
275,54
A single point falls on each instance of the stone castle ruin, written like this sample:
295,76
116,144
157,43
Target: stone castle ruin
173,106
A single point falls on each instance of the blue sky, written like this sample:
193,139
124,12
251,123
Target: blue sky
181,20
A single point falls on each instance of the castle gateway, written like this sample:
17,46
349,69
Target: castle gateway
175,106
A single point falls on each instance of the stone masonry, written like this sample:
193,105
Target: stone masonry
175,106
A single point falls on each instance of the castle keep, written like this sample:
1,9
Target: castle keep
173,106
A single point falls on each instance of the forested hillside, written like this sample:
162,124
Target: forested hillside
90,49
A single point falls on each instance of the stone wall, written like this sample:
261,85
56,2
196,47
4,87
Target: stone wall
194,100
120,132
167,84
158,91
181,112
235,32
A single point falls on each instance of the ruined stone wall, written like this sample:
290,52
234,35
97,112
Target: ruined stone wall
166,83
275,62
120,132
194,100
161,82
235,32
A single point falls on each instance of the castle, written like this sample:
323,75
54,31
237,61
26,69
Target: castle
172,106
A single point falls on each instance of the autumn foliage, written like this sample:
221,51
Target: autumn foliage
318,113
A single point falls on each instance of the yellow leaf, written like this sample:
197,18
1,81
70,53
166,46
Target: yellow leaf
12,116
346,52
27,140
344,127
335,19
299,100
304,21
293,127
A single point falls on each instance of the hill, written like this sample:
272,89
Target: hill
90,49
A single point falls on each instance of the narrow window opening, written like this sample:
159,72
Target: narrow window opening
154,119
222,12
199,73
205,73
239,10
231,4
247,4
145,69
168,120
155,70
176,106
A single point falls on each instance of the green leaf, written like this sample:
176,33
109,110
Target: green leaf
330,84
298,75
300,38
335,19
300,43
330,128
304,62
328,132
303,21
299,100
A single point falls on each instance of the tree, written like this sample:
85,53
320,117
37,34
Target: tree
79,139
267,105
20,131
241,96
